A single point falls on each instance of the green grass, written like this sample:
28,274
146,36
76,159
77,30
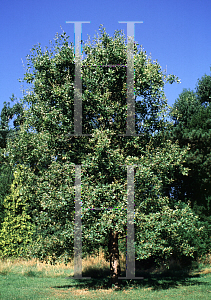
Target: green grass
22,280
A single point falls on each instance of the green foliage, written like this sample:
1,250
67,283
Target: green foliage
49,153
164,227
170,233
17,229
54,214
6,133
5,183
193,128
8,114
203,89
50,75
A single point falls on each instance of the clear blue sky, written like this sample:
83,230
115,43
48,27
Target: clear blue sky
176,33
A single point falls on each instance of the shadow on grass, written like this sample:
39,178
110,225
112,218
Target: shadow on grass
100,279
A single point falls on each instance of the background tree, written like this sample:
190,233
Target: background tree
203,90
17,228
48,151
7,114
192,116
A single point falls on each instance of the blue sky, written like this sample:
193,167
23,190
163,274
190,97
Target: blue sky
176,33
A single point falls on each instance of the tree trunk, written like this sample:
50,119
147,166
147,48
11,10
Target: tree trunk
115,270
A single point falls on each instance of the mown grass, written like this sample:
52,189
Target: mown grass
22,279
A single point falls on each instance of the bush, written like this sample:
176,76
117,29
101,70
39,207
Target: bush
17,228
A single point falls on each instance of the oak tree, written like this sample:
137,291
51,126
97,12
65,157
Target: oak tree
49,149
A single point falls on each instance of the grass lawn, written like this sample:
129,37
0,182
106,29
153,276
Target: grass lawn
21,280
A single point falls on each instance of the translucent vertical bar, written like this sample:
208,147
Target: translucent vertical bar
78,80
130,130
130,81
130,271
78,227
130,259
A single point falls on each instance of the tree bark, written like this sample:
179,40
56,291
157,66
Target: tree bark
115,269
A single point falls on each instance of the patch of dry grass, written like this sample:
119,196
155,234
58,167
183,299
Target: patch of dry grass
205,271
99,262
206,260
25,267
34,267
